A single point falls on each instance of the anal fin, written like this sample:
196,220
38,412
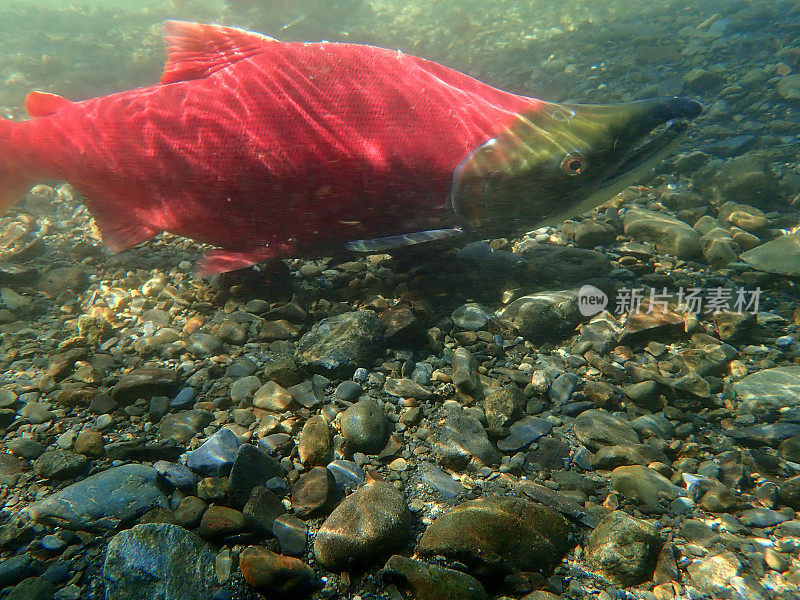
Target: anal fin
401,241
121,237
222,261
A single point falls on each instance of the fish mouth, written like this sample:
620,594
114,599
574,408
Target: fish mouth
658,143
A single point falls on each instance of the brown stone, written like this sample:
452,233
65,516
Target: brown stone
275,574
315,445
89,443
220,521
314,493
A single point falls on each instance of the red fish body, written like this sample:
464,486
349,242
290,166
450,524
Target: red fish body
267,149
264,148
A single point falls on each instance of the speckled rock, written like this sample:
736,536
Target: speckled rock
462,440
788,87
541,595
464,366
789,492
60,464
623,549
497,535
156,561
504,406
368,524
597,428
340,344
33,588
89,443
713,574
769,388
189,512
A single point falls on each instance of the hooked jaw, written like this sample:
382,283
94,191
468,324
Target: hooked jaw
557,161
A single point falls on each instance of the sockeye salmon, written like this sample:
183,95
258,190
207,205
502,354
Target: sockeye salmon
267,149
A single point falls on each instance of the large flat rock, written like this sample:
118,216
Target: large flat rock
103,501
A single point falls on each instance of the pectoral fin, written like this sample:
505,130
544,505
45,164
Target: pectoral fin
401,241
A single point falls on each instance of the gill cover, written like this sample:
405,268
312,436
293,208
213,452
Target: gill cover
481,177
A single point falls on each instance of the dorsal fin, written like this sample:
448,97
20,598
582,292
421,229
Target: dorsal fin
44,104
195,50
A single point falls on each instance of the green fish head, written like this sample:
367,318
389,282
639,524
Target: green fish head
560,160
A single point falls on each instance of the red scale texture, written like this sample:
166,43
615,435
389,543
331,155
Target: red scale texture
263,148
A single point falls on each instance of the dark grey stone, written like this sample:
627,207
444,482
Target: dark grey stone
158,560
347,474
292,534
216,455
442,482
340,344
523,432
102,501
251,468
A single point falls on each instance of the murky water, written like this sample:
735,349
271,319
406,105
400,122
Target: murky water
446,341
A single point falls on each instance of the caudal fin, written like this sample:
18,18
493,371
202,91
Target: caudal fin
14,180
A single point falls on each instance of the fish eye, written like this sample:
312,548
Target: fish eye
573,164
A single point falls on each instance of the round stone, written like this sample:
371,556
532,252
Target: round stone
314,493
368,524
363,425
471,317
220,521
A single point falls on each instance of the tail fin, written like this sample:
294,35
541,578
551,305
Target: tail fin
14,182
